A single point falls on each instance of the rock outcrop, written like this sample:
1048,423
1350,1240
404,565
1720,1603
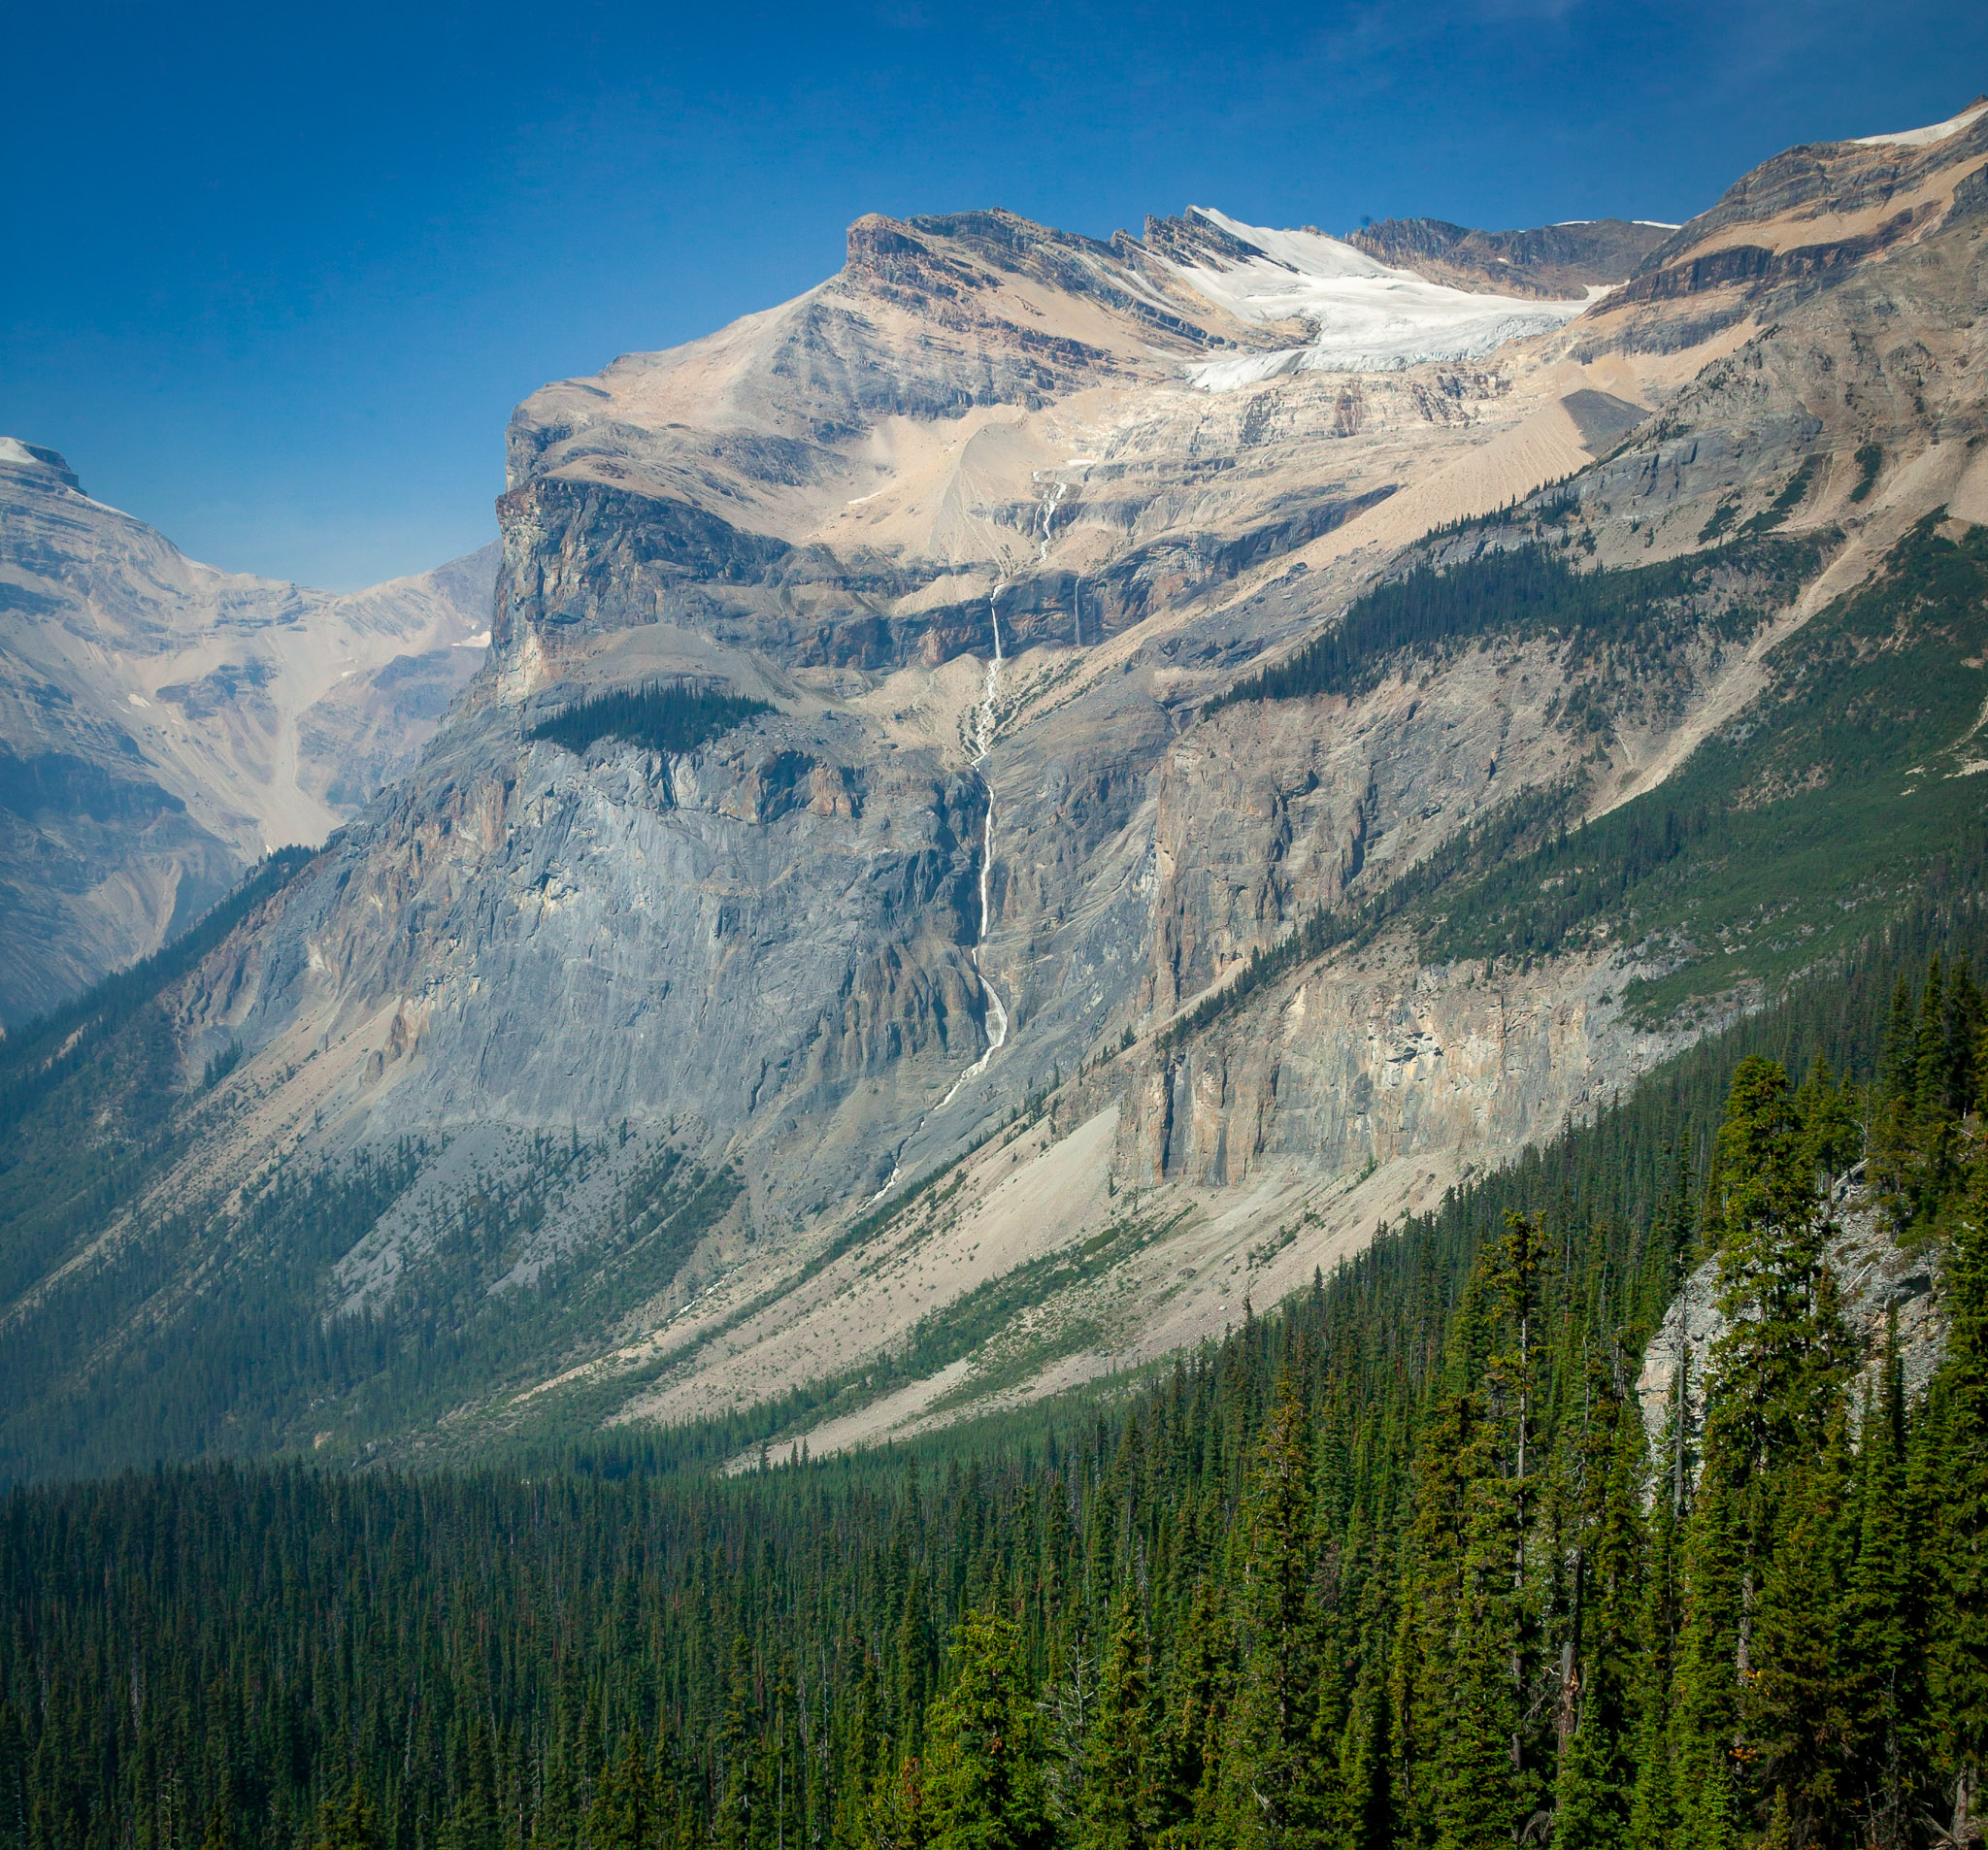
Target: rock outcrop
1554,261
1889,1294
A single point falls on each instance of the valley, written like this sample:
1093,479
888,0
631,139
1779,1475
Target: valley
1157,1043
165,725
1057,871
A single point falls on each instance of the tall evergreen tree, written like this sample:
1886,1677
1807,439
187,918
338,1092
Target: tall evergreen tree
1121,1802
1957,1429
1288,1704
986,1782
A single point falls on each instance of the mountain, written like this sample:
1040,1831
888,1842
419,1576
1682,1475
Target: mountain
1025,800
1400,1554
163,725
1554,261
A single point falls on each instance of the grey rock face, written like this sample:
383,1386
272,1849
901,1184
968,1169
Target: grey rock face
634,936
1882,1285
1554,261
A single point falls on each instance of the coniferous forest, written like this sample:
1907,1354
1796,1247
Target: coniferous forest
1399,1562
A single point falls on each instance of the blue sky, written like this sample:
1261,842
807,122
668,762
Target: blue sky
275,276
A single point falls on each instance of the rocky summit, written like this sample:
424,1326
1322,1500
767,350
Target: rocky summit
1017,803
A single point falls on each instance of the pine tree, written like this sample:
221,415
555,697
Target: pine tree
1749,1726
1121,1808
1492,1763
473,1821
1880,1668
986,1785
352,1825
1956,1425
1895,1119
624,1810
1791,1708
896,1816
739,1798
1280,1762
1596,1775
1777,1373
1196,1718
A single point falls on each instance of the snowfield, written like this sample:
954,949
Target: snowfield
1364,316
1928,136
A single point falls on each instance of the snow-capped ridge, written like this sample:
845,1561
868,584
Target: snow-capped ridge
1366,315
17,454
1932,133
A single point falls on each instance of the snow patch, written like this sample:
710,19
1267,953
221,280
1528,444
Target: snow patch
1925,137
1364,316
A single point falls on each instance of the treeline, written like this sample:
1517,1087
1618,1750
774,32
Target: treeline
1839,796
1529,590
110,1364
1779,836
668,716
39,1055
1397,1566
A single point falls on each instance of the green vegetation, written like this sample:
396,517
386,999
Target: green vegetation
1395,1567
117,1362
1699,856
1532,590
666,717
1842,794
1793,493
1845,791
1870,460
1721,519
41,1054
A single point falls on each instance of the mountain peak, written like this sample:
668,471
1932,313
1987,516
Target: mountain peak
32,457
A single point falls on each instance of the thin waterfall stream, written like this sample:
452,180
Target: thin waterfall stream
985,724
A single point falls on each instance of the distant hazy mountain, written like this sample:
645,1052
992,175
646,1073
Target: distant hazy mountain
163,724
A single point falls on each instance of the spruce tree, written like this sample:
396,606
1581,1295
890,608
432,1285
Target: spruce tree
1880,1668
1957,1429
987,1784
623,1816
352,1825
740,1798
1278,1769
1120,1810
